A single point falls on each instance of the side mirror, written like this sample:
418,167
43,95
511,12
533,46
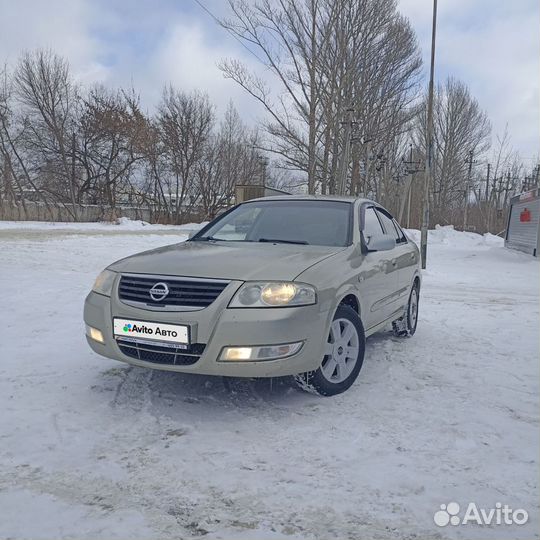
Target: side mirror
383,242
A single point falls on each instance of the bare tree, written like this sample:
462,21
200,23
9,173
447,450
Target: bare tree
47,98
460,127
291,36
111,141
231,158
63,146
327,56
18,175
184,123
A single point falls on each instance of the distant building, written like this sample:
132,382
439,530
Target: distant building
523,229
254,191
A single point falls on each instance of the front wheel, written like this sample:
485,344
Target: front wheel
343,356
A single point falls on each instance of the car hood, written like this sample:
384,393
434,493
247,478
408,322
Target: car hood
234,260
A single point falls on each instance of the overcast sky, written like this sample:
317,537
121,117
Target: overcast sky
492,45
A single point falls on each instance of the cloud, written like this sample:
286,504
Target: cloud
494,48
142,44
491,46
56,24
188,58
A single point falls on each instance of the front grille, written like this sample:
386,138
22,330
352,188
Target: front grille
183,292
161,355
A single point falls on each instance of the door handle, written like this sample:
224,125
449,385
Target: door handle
413,256
394,262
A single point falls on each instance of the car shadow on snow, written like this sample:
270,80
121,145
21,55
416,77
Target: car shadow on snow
137,388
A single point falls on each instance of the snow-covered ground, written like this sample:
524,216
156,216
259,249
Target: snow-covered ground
92,448
122,224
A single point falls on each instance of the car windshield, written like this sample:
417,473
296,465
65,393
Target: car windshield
320,223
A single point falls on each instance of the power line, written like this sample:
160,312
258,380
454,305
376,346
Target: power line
216,19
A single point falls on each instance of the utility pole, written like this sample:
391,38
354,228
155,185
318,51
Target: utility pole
527,183
487,180
366,140
72,179
469,162
429,145
508,188
412,166
344,163
488,198
263,163
368,166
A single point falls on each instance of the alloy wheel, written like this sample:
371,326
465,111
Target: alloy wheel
341,353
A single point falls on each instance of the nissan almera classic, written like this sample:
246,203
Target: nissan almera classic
289,285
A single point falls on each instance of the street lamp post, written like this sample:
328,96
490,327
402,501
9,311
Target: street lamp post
429,146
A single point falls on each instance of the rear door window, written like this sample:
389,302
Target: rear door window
401,234
388,224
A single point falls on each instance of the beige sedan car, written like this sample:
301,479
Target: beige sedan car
288,285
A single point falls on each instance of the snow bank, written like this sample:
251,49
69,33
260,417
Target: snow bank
447,235
122,223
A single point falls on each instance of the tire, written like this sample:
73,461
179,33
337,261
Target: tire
406,326
343,356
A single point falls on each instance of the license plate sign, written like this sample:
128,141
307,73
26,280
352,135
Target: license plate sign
151,331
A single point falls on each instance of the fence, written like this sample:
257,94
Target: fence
37,211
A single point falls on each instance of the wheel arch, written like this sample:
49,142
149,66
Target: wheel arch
352,301
349,297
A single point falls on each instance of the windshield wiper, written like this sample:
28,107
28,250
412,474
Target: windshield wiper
279,241
209,239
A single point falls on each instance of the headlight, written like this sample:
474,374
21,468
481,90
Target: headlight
273,294
104,282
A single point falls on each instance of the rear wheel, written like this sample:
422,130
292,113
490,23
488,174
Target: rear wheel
343,356
406,326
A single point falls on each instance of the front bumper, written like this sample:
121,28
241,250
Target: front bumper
216,327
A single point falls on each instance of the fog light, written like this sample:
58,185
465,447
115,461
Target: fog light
262,352
95,334
236,353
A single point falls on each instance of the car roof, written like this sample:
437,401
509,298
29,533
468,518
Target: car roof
337,198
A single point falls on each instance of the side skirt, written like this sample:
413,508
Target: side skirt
396,315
